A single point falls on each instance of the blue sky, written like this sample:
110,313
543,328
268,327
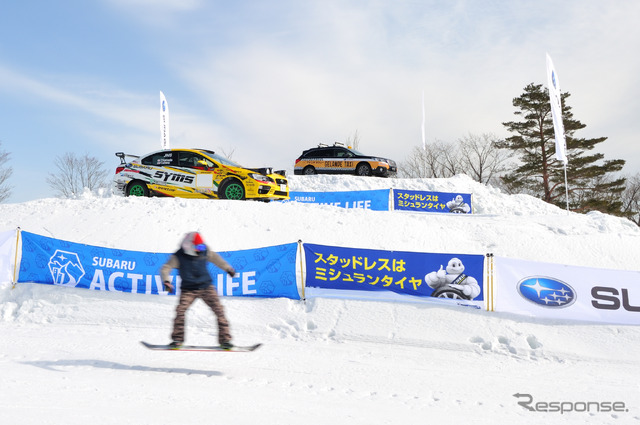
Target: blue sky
266,80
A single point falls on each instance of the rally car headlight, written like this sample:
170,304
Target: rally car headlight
261,178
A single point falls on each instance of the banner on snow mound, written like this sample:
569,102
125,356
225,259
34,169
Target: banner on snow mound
262,272
566,292
377,200
455,276
441,202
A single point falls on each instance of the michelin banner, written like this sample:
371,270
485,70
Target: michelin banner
440,202
558,291
262,272
376,200
458,277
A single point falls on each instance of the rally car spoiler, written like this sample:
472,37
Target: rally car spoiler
123,155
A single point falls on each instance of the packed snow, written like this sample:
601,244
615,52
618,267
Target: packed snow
72,356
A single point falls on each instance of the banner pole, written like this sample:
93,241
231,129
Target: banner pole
489,276
566,186
15,260
302,284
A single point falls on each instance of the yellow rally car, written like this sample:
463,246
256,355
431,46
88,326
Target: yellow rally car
338,159
195,173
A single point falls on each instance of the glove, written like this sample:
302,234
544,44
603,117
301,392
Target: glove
231,272
167,286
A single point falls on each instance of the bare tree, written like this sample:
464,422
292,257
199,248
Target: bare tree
435,160
77,173
5,173
228,154
481,159
474,155
353,140
631,199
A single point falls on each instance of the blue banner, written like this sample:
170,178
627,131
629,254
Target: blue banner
376,200
262,272
442,202
455,276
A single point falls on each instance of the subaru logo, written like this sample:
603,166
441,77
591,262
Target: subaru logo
66,268
553,78
547,292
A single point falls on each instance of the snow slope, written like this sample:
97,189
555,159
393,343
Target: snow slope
71,356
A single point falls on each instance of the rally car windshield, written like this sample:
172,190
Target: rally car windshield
223,160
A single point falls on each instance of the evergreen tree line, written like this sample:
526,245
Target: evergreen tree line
526,161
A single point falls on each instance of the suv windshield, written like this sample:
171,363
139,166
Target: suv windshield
357,152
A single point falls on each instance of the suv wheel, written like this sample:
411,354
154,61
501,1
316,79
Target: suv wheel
363,169
308,170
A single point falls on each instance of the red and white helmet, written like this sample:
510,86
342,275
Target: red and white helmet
193,243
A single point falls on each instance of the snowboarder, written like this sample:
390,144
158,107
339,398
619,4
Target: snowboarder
191,261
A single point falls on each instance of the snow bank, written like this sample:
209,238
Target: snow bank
72,356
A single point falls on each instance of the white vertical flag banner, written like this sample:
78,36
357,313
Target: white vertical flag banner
164,122
424,140
556,111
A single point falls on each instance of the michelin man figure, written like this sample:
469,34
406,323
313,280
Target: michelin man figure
458,205
454,277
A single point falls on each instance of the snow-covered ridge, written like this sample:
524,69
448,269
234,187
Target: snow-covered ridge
517,226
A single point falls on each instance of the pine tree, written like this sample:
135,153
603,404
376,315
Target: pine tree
590,180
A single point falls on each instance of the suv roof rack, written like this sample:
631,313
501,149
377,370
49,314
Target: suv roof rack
324,145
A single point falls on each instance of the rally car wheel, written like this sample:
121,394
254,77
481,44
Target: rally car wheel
232,189
363,169
308,170
137,188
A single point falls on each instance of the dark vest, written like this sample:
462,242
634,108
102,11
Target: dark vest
193,270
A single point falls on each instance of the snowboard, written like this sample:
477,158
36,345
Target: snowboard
235,348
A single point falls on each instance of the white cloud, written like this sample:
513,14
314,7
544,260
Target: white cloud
338,67
102,114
